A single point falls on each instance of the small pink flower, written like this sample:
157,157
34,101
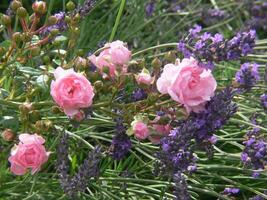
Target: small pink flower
188,84
29,153
140,130
115,57
144,78
161,131
71,91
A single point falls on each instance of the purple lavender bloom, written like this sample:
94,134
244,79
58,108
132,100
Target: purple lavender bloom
258,197
258,11
180,188
254,154
84,9
248,75
263,99
121,143
150,8
231,191
213,16
209,49
195,31
138,94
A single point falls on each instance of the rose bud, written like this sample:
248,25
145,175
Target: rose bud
80,63
6,20
30,153
8,135
15,5
22,12
39,7
144,77
140,130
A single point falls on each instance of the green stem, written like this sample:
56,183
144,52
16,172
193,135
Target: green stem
118,18
156,47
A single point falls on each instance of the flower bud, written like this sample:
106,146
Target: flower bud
98,85
80,52
25,37
79,116
39,7
17,37
8,135
35,51
77,18
156,63
67,19
35,115
54,32
22,12
170,56
46,59
25,107
15,5
56,109
80,62
52,20
70,6
6,20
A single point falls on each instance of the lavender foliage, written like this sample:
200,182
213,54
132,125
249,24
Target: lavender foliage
89,169
176,155
254,154
263,99
248,75
209,49
84,9
121,143
150,8
213,16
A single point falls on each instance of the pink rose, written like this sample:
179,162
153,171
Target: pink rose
188,84
29,153
161,131
144,78
71,91
115,57
140,130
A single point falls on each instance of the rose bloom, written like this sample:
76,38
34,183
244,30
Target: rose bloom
29,153
115,57
188,84
144,78
71,91
140,130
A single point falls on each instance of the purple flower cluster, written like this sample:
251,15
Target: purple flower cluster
150,8
88,170
255,152
177,150
138,95
258,197
180,188
231,191
212,16
248,75
258,13
60,25
210,49
121,143
84,10
264,102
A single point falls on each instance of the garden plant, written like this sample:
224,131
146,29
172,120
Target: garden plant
133,99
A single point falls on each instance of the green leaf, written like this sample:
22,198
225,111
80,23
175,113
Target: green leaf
42,81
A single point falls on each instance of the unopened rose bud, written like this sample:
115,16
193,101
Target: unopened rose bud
79,116
80,63
67,19
6,20
98,85
52,20
35,51
15,5
8,135
70,6
80,52
25,107
25,37
22,12
39,7
56,109
54,32
48,125
35,115
77,18
156,63
170,56
46,59
16,37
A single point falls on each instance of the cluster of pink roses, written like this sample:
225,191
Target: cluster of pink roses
186,82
